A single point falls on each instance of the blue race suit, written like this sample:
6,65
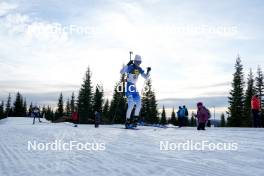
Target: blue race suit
133,97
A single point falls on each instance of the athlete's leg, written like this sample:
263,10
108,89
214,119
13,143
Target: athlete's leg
137,101
130,103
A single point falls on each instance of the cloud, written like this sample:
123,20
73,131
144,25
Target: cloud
217,101
223,84
185,63
40,93
5,8
37,98
35,86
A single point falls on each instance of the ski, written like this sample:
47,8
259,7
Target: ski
70,124
130,128
156,126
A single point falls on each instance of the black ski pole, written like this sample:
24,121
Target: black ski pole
130,53
145,82
124,84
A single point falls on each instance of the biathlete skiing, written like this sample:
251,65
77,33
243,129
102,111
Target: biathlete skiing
133,70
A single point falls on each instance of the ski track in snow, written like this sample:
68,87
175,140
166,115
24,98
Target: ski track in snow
128,152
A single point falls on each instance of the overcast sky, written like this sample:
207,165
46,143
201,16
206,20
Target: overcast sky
47,45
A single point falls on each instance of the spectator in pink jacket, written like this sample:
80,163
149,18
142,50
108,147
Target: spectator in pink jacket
202,116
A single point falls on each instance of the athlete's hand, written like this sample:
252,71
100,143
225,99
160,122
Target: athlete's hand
130,63
148,69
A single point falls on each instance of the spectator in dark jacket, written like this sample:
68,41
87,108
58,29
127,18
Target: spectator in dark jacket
180,115
202,116
97,119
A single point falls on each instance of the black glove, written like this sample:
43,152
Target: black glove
148,69
130,63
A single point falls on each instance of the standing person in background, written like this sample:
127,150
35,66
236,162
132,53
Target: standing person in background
97,119
255,108
75,118
202,116
181,114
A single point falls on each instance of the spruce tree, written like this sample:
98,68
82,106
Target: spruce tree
118,106
85,99
98,99
19,106
250,92
163,120
8,110
60,110
260,84
223,121
2,110
44,111
173,119
105,113
236,98
260,90
192,121
73,108
30,110
25,107
187,121
68,108
149,105
49,115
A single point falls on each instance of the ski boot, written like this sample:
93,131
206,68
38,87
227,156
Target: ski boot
128,124
135,121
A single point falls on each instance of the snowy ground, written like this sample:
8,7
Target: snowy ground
127,152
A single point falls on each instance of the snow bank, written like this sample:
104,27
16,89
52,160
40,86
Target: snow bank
127,152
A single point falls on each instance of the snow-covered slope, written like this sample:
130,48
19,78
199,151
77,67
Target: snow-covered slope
127,152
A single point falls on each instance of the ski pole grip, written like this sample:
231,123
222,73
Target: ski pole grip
148,70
